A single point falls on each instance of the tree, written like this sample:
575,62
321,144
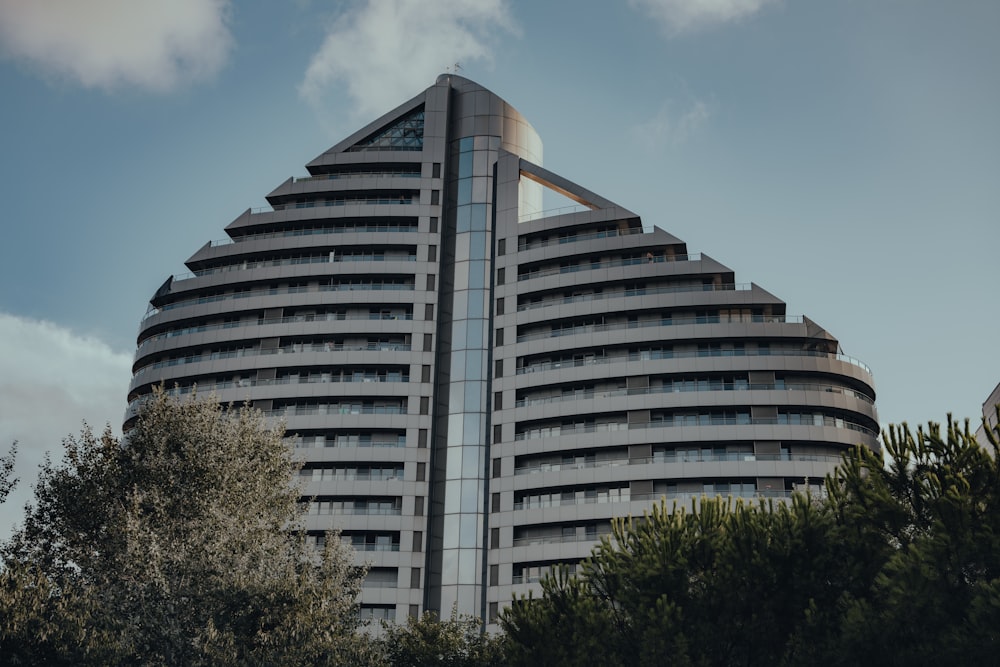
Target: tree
455,642
900,565
7,479
177,545
725,583
935,510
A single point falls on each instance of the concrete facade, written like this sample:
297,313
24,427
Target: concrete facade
476,387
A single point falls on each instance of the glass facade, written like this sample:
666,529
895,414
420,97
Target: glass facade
466,443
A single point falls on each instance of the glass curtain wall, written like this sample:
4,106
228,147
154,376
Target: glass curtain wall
464,488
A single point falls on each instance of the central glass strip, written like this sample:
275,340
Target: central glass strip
463,529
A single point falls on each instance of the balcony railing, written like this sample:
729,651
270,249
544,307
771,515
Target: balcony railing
558,539
325,317
256,352
372,547
339,287
358,174
672,389
664,322
686,354
523,245
296,261
604,264
340,201
677,457
350,441
639,291
335,409
527,504
693,421
316,231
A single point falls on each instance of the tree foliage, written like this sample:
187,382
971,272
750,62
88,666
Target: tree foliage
7,479
899,565
453,642
176,545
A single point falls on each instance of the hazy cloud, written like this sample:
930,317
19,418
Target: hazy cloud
152,44
51,380
685,15
671,126
385,51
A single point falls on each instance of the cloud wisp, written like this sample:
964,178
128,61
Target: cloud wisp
677,16
671,126
51,380
384,51
108,44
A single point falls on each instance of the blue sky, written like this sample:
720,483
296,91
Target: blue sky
843,155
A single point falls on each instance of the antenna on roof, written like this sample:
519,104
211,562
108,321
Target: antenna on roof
453,69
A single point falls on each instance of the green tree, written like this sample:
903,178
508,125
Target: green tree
934,509
176,545
7,479
454,642
900,565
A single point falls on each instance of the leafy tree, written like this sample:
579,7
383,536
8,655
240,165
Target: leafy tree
455,642
176,545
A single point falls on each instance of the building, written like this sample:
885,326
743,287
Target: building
478,387
989,418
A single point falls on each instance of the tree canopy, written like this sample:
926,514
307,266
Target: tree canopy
7,479
898,565
429,641
177,544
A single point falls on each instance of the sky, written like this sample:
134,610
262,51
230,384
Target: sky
843,155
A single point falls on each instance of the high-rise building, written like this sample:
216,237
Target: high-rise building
989,420
476,386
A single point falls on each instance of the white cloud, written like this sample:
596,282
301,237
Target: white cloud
688,15
51,380
151,44
671,127
385,51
